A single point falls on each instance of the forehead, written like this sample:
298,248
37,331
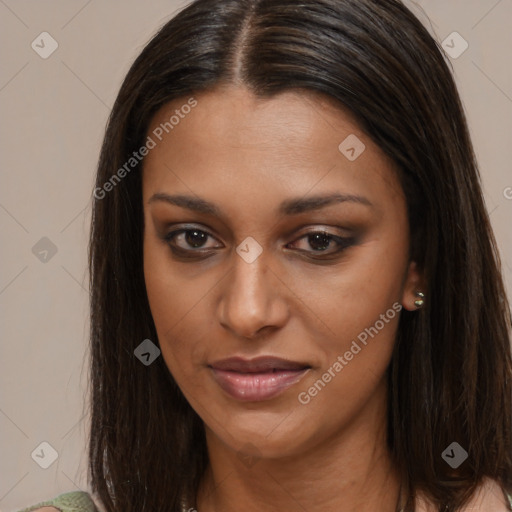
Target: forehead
236,145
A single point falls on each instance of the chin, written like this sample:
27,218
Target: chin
264,435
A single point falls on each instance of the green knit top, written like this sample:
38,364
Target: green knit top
70,502
82,502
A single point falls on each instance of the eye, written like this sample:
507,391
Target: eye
188,240
324,243
193,242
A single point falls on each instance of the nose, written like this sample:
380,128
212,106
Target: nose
253,300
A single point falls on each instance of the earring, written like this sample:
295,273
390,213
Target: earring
419,303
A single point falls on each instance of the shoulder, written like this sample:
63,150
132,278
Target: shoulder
68,502
489,496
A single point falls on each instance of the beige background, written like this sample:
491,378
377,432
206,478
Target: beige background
53,115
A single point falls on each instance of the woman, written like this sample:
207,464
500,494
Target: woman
296,295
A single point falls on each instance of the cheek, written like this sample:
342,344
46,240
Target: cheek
352,296
177,301
360,307
356,354
177,317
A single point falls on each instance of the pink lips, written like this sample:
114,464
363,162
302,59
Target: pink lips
256,379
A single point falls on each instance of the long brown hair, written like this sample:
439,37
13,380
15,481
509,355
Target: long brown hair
450,379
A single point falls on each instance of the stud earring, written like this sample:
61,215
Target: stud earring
420,301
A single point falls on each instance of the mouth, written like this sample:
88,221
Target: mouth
258,379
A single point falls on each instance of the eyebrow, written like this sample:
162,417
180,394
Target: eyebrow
300,205
288,207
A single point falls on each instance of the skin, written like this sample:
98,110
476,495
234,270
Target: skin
247,155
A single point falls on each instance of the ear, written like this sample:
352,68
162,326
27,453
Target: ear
414,283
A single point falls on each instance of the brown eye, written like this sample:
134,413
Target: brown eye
319,241
195,237
322,241
193,242
188,239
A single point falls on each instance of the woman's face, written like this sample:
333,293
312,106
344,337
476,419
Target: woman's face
275,263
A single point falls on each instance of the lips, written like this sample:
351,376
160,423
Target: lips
257,379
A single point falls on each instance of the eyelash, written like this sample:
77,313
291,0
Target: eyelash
343,243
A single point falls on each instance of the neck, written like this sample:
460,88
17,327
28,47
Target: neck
348,472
